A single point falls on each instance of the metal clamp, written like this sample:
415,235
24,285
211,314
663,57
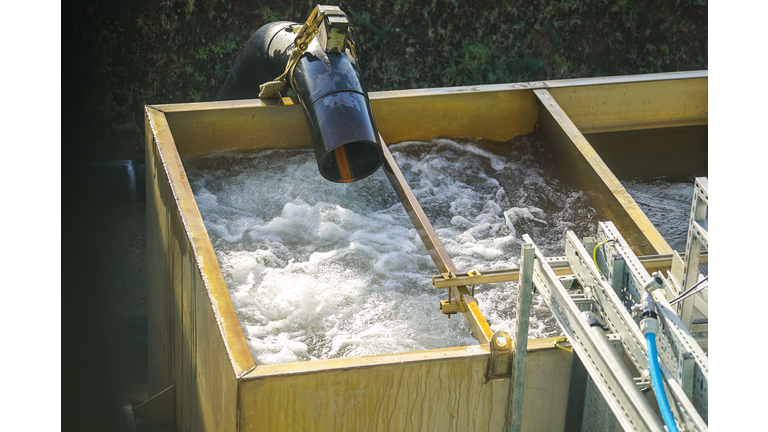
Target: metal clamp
333,31
451,306
310,28
304,37
500,362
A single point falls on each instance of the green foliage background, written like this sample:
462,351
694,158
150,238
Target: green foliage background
130,54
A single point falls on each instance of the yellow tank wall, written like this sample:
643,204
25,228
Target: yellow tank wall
195,339
191,343
409,115
488,112
436,390
645,103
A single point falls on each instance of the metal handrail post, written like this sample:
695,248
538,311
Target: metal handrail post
524,298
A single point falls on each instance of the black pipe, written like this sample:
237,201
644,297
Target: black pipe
336,106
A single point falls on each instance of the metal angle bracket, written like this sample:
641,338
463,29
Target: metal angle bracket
502,356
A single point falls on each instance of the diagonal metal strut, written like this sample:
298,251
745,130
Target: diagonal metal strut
434,246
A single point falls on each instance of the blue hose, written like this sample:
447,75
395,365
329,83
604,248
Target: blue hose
658,384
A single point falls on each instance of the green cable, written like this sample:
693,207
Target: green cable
560,346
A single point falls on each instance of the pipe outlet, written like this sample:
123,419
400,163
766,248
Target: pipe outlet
326,80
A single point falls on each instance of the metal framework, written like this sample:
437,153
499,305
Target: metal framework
698,238
600,318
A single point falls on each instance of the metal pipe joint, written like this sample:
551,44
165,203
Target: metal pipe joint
656,282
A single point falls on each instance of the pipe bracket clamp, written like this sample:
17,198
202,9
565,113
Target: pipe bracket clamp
333,30
304,37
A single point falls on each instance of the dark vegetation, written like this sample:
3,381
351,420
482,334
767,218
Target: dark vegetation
128,54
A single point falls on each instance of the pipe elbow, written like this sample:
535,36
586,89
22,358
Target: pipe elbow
338,112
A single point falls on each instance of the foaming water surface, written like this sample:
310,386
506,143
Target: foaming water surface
320,270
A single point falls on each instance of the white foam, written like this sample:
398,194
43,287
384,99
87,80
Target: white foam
323,270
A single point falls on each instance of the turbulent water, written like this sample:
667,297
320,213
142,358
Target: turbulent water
321,270
668,206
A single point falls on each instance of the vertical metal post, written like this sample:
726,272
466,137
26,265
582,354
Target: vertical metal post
685,373
697,238
524,297
617,277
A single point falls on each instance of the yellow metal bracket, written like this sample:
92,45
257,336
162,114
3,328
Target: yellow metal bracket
306,33
451,306
449,275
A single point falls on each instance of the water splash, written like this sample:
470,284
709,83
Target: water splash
322,270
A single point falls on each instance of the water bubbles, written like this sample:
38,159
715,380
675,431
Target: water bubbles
321,270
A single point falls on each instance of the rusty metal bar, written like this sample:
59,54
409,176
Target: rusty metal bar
434,246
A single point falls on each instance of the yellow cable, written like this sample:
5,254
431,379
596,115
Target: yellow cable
562,347
594,252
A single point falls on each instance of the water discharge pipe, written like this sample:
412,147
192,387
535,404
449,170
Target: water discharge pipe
326,80
649,325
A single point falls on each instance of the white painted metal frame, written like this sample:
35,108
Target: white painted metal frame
698,238
683,363
600,359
